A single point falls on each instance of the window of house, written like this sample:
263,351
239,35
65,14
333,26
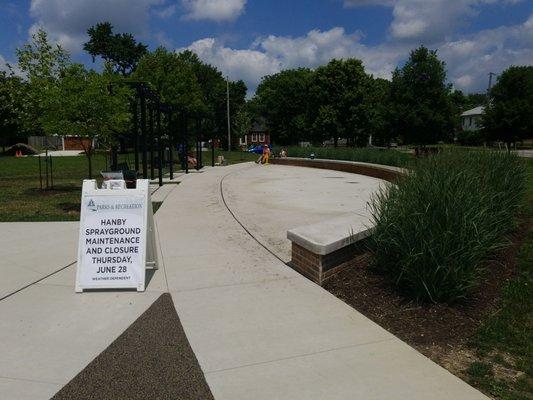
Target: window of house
261,137
254,137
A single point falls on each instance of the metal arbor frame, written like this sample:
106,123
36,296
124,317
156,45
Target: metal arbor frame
149,138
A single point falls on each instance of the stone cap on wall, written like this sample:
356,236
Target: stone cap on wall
328,236
326,160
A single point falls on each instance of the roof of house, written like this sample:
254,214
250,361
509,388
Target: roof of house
474,111
258,127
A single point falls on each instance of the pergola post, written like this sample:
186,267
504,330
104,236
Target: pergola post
170,145
151,143
143,135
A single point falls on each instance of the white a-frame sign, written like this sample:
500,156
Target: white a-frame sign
117,236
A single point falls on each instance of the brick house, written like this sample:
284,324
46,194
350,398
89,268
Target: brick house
258,134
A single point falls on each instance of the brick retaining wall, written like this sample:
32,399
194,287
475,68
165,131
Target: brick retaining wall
320,268
384,172
317,267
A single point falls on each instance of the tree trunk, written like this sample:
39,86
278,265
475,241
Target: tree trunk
335,142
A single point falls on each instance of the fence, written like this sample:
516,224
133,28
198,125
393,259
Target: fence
55,142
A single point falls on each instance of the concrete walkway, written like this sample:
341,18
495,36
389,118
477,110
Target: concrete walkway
258,329
262,331
48,333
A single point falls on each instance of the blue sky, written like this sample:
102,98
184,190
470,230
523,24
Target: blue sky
248,39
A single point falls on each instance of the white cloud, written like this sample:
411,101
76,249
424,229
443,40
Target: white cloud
215,10
3,64
165,12
272,54
67,21
319,47
246,64
470,58
427,21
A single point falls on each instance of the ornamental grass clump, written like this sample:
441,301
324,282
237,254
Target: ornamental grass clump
436,227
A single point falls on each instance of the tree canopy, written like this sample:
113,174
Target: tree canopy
192,86
82,104
172,78
12,93
282,100
121,50
42,65
340,101
336,100
421,110
508,116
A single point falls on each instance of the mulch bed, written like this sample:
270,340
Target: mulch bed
433,329
152,359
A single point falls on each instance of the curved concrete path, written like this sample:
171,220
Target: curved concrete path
270,201
262,331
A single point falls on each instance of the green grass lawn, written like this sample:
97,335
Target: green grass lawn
22,200
504,343
233,157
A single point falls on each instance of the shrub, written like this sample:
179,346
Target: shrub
434,229
377,156
471,138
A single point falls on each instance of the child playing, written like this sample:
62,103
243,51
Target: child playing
266,154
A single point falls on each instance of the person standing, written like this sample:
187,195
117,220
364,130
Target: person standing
266,154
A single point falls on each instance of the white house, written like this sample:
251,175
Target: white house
471,119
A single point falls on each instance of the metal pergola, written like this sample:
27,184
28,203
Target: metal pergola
156,147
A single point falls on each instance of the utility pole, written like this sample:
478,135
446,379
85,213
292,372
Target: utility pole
228,117
491,74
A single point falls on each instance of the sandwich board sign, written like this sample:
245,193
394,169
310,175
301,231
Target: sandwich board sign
117,237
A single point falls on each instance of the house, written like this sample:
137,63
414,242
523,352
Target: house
258,134
471,119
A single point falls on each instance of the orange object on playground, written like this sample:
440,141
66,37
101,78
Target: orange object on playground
18,153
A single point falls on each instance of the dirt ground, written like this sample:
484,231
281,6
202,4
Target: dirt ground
439,331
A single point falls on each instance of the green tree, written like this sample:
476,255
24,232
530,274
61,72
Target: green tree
421,109
462,102
120,50
81,104
12,92
42,64
474,100
379,123
198,89
214,94
172,79
340,101
282,100
243,122
508,117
